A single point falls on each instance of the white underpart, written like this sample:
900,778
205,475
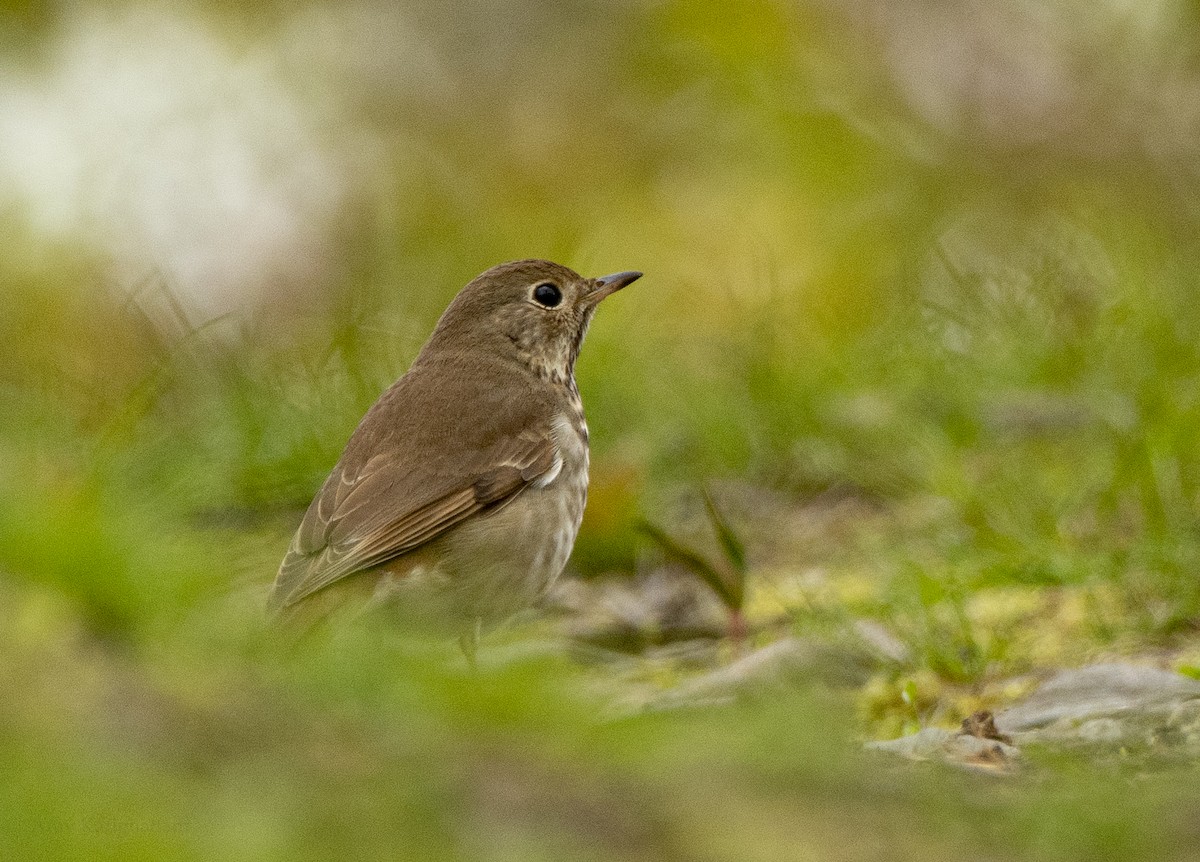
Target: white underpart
550,475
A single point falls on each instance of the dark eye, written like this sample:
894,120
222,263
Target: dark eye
547,294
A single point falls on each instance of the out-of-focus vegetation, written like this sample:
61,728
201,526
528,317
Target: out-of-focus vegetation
920,309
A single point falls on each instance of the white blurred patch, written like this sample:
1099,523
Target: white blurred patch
162,145
1105,79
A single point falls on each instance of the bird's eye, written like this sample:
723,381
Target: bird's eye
547,294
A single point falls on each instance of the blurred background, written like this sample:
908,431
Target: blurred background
919,322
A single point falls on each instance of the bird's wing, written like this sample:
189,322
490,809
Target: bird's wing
384,498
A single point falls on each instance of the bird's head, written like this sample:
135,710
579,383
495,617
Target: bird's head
534,309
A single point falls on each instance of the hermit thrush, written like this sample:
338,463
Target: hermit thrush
462,489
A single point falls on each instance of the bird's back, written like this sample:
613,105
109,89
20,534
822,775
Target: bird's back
416,464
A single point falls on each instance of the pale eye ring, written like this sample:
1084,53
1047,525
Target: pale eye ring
547,294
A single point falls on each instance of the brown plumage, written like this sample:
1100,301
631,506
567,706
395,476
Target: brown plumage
463,486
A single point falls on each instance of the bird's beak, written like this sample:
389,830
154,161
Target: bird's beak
610,284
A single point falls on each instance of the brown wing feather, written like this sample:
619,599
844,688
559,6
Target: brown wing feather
383,499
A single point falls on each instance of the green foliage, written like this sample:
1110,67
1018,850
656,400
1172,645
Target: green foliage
726,579
933,343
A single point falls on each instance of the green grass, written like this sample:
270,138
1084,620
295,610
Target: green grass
934,380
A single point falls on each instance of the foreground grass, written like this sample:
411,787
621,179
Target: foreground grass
216,742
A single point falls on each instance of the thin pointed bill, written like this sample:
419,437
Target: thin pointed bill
610,284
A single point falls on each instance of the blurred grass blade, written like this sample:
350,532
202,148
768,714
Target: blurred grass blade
728,589
731,545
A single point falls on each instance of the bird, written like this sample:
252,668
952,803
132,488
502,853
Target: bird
461,491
